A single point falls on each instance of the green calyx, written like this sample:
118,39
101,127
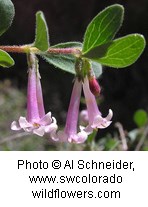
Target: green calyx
82,67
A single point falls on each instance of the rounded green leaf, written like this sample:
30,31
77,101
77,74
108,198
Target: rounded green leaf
140,117
62,61
42,36
67,62
119,53
5,59
103,27
6,15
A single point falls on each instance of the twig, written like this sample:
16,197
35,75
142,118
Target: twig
13,137
140,143
122,136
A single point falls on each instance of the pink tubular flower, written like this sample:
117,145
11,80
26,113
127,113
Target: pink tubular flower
70,133
94,115
36,121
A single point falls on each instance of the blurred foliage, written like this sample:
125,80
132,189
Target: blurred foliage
140,117
13,104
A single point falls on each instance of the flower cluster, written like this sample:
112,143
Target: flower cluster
39,123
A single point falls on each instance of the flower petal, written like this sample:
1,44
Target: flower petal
24,123
110,115
88,129
81,137
39,131
53,136
51,127
15,126
46,120
100,122
102,125
78,138
54,120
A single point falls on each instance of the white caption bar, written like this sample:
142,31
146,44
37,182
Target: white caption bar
73,178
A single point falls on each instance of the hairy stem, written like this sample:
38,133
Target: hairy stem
15,49
29,48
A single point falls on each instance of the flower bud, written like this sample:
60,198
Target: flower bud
94,86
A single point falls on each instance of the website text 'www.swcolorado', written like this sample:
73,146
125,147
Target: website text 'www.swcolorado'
76,179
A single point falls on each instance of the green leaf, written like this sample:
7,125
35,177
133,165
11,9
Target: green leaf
6,15
103,27
68,45
119,53
92,136
97,68
110,144
140,117
64,62
5,59
42,36
67,62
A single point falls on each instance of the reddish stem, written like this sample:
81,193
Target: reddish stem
16,49
26,48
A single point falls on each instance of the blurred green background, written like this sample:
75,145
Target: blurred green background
124,91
